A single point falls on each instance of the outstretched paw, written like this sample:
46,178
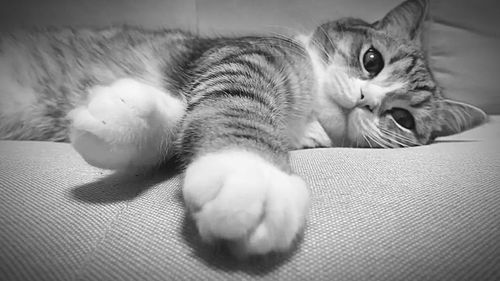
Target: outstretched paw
127,124
241,198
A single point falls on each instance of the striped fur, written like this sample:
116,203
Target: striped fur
47,73
229,108
249,92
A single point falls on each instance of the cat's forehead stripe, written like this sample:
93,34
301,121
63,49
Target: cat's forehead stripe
399,55
418,99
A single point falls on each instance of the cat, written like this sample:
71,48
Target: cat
230,108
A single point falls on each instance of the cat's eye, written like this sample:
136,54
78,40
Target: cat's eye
403,117
373,62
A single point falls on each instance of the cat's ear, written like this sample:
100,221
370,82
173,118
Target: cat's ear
454,117
406,20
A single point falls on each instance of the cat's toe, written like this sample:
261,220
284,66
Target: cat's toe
241,198
284,214
125,100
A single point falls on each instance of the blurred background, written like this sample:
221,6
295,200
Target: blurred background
463,35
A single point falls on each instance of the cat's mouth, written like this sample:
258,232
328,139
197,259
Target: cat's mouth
346,127
393,128
364,125
361,122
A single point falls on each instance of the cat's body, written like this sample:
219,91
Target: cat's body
55,71
230,108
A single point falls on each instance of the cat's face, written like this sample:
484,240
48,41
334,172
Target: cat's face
377,76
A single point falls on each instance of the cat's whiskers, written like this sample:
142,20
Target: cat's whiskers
385,137
369,130
363,130
398,135
377,134
367,141
323,50
376,139
407,142
391,138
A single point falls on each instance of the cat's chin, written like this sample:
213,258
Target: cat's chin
358,122
333,121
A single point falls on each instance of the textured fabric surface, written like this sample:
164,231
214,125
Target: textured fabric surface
424,213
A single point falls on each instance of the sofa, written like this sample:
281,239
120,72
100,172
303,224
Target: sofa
422,213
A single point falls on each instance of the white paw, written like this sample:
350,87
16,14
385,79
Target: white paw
239,197
127,124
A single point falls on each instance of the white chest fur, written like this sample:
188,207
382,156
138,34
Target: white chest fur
327,126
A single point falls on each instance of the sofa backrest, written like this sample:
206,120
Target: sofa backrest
464,37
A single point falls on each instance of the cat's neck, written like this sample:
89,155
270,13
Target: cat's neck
327,113
319,67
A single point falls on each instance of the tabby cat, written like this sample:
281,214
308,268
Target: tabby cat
229,108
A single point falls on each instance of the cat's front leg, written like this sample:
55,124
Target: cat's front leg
127,124
238,186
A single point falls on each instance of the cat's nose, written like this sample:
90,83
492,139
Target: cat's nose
367,101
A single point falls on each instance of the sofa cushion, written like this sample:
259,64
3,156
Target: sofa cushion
429,212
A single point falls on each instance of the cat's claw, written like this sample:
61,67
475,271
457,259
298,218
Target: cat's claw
241,198
126,124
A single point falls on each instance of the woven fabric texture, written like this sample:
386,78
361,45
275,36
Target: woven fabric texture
424,213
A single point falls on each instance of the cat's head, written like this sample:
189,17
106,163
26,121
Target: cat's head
378,77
